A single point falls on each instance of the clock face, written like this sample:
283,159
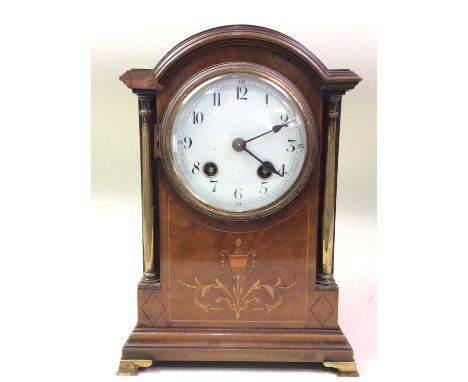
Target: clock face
238,143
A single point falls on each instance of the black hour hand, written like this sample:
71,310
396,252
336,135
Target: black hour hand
269,167
266,165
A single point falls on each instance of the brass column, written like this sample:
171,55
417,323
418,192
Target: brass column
325,272
146,107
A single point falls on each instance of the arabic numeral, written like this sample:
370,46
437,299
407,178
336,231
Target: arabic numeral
216,99
284,118
242,92
291,146
282,170
196,168
197,117
187,142
214,184
238,193
263,188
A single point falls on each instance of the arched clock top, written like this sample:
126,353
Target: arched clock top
328,80
254,36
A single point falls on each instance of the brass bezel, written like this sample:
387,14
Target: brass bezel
208,74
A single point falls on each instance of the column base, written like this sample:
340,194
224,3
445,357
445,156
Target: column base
150,278
326,282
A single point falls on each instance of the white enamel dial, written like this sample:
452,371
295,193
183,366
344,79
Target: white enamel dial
218,148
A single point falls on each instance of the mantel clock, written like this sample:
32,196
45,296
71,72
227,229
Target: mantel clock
239,129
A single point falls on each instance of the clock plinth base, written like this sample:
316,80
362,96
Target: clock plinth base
327,346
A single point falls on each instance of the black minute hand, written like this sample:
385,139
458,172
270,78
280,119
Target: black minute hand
274,129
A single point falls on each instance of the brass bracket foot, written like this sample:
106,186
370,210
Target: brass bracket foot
345,369
131,366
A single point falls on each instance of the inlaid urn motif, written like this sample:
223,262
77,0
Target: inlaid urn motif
238,260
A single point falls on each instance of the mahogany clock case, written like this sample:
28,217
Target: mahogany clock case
224,290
